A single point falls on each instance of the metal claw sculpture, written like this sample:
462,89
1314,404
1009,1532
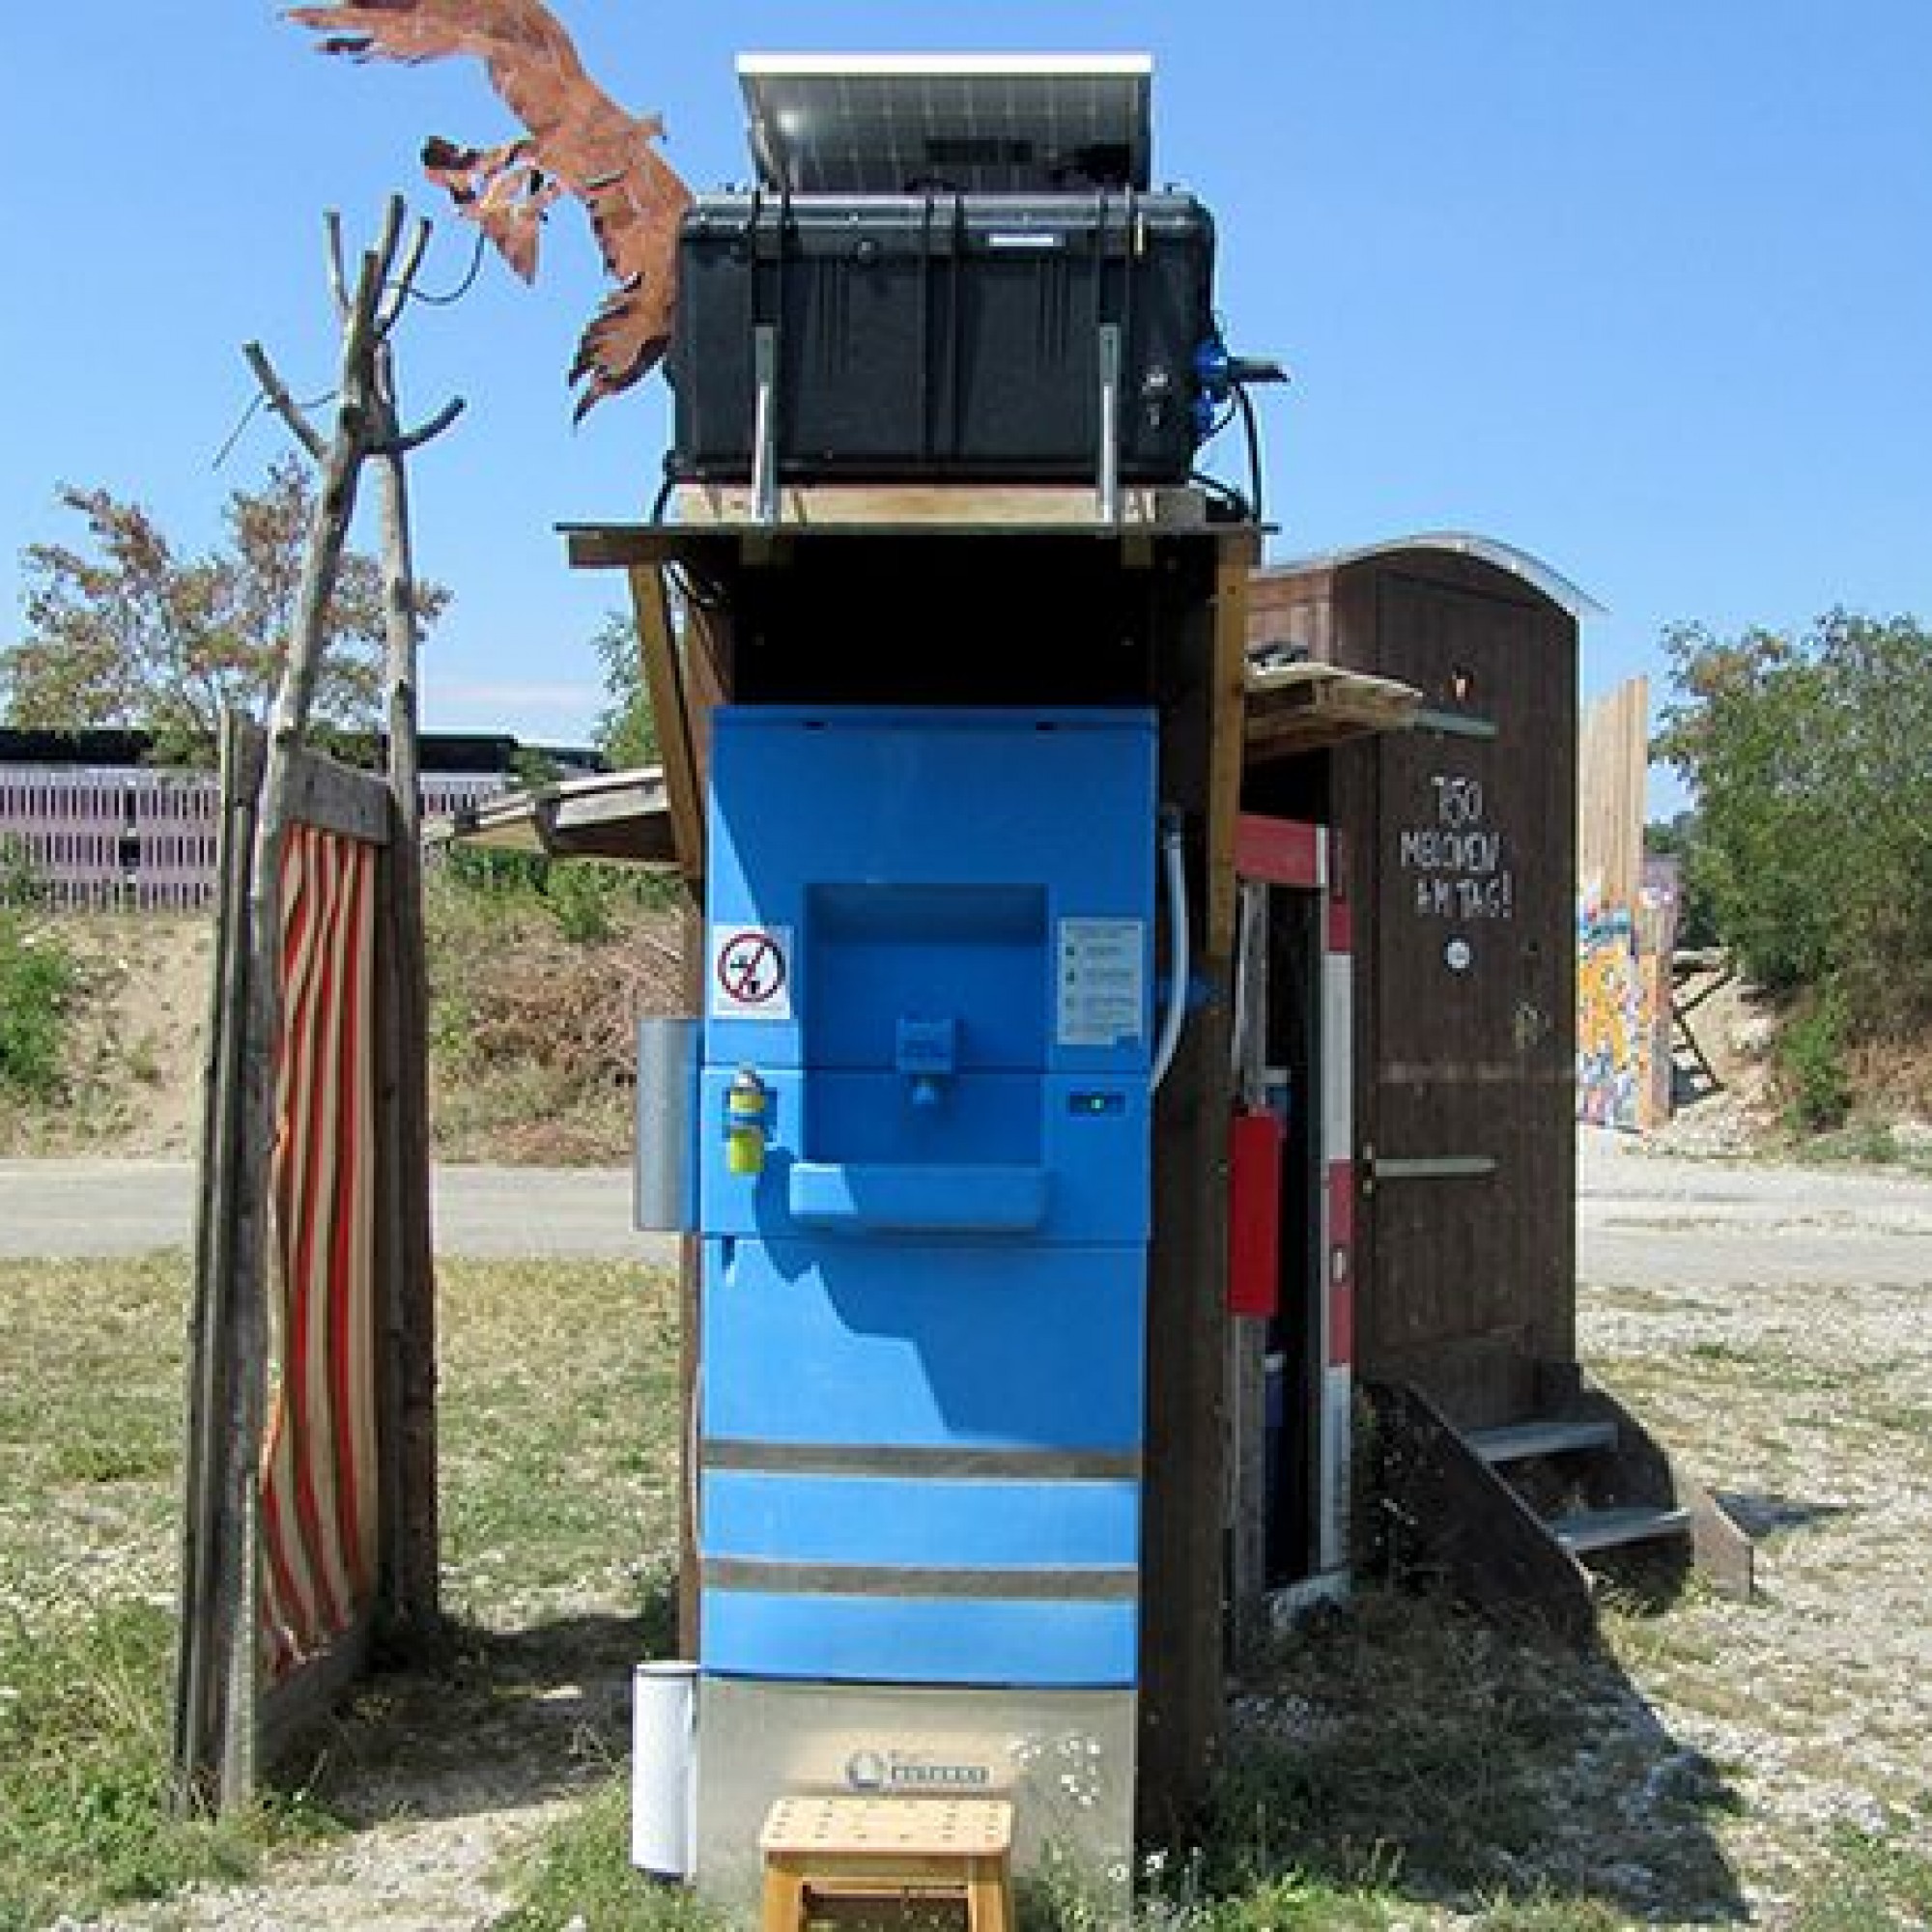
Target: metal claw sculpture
579,141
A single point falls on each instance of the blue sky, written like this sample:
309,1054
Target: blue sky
1644,289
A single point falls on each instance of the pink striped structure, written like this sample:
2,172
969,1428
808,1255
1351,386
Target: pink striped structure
106,839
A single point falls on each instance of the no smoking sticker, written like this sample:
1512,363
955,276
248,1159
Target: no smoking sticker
751,973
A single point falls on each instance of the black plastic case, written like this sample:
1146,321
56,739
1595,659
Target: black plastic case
940,336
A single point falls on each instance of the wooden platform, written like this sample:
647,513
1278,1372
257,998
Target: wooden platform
912,1848
1301,707
887,507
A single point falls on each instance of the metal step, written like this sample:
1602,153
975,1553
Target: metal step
1519,1441
1590,1530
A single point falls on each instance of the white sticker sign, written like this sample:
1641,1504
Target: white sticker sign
1100,981
751,973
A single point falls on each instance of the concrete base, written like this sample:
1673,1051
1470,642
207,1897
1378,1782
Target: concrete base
1064,1758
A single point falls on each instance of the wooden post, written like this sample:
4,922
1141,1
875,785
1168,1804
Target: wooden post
671,712
410,1593
217,1728
213,1682
1183,1636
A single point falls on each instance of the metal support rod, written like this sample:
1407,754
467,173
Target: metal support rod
1109,503
766,424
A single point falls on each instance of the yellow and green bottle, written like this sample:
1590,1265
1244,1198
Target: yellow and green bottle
747,1117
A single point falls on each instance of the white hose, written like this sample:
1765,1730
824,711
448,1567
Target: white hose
1174,1019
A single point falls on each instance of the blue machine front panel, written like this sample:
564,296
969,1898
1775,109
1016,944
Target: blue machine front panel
873,1641
976,1347
962,1522
924,1305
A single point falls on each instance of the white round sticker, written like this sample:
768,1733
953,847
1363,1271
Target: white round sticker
1459,953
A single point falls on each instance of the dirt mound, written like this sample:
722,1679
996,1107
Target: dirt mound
533,1033
131,1058
530,1033
1725,1085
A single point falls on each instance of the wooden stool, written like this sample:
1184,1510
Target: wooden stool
923,1848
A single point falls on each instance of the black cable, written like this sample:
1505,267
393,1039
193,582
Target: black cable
1225,494
1254,436
462,289
260,397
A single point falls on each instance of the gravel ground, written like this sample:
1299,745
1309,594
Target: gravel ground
1768,1763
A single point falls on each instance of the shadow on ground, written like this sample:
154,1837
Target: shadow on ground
502,1721
1408,1748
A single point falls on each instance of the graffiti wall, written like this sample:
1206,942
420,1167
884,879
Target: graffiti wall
1623,1003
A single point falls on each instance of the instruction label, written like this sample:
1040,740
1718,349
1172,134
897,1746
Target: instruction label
1100,981
751,973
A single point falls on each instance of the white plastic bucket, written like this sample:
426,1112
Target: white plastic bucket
664,1768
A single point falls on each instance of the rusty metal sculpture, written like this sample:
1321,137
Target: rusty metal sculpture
579,141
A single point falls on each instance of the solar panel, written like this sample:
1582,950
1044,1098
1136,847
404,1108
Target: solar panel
978,124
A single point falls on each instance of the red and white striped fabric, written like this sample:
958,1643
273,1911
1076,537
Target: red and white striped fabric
318,1470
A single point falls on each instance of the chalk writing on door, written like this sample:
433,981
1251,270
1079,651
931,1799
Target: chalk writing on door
1459,862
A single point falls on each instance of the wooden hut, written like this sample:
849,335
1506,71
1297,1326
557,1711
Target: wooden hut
1460,836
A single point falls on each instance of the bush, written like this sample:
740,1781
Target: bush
1811,1051
20,885
1811,760
35,980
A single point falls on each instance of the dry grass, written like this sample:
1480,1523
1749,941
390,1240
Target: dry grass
1713,1763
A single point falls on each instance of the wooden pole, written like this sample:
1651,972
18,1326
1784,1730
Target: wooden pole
1185,1558
212,1683
216,1731
411,1595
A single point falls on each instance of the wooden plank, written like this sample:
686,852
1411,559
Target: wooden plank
409,1578
337,798
1453,1517
671,708
1184,1502
408,1588
624,546
619,815
217,1588
884,507
1236,557
1300,707
1614,767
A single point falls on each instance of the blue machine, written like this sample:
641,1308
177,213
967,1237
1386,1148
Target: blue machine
923,1196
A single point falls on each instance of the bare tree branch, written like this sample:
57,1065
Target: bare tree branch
402,285
401,443
338,272
283,404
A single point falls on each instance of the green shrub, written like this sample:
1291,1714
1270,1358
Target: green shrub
21,884
1811,1051
36,979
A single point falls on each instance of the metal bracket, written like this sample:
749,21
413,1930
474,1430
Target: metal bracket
1109,493
1423,1167
766,424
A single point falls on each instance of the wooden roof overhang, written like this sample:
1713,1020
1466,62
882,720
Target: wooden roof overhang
651,817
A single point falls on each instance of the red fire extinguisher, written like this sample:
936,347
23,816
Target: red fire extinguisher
1254,1211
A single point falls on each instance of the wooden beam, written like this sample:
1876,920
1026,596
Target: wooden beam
879,508
1185,1504
337,798
217,1578
1236,556
624,546
670,709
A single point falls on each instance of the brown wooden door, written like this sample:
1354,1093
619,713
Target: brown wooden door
1466,1039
